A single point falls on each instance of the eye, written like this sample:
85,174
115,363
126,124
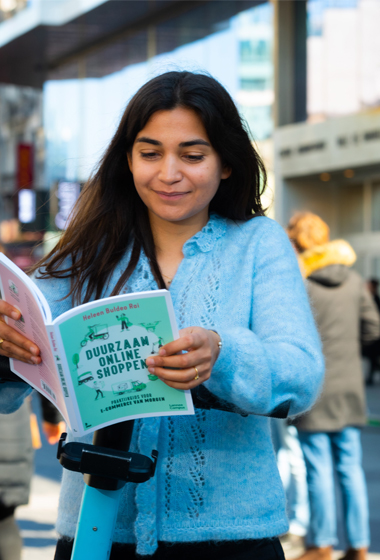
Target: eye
194,158
148,155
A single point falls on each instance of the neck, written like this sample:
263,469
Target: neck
169,237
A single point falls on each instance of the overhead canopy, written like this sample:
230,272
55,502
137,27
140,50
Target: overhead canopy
93,38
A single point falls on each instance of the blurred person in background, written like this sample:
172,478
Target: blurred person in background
17,432
16,469
292,469
330,433
373,286
16,465
372,351
52,422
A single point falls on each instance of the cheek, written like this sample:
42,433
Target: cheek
208,181
140,177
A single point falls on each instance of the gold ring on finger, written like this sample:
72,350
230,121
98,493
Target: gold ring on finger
197,373
1,341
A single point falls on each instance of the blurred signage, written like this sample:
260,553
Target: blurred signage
24,166
67,194
26,206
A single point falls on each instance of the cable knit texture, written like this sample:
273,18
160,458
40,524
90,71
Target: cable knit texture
217,477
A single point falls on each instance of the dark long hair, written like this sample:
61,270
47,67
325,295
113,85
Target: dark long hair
110,215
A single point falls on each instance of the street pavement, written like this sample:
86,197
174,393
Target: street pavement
37,519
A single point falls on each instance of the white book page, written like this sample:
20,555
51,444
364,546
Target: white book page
24,278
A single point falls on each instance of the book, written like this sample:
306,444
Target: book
93,356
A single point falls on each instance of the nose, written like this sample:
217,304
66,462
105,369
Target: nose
170,171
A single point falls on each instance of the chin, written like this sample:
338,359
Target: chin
176,215
172,218
170,214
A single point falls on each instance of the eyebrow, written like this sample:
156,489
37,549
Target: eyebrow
195,142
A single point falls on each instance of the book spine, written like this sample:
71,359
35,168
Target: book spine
72,420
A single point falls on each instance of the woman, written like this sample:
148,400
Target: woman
176,203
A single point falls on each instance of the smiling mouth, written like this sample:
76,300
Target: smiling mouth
171,194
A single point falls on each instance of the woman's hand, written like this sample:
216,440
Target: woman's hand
15,345
192,368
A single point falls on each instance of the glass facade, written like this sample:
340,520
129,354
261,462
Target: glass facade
343,73
316,9
80,115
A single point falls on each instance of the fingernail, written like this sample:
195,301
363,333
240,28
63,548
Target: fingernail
33,350
162,352
151,369
35,360
150,362
32,363
15,315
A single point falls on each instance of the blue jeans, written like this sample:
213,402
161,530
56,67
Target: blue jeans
324,451
292,469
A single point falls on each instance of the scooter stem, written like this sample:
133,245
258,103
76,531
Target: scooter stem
98,512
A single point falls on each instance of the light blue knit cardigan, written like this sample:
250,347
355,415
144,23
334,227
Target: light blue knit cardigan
217,477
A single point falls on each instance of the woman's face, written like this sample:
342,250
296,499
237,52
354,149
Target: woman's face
175,169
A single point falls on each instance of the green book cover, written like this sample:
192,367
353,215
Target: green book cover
103,347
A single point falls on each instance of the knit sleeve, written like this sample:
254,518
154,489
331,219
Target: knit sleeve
274,368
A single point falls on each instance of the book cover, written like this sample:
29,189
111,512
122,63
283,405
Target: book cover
93,356
104,346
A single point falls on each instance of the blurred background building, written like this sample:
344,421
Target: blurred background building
304,73
331,163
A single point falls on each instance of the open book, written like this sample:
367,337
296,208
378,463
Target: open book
93,356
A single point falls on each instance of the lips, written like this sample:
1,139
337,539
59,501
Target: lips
171,195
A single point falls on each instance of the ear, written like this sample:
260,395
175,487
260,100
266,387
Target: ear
226,172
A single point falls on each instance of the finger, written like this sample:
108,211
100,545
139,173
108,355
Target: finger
182,375
10,335
9,311
184,385
179,361
11,350
190,340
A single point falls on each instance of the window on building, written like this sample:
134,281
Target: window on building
350,205
253,84
375,272
259,119
376,207
254,51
